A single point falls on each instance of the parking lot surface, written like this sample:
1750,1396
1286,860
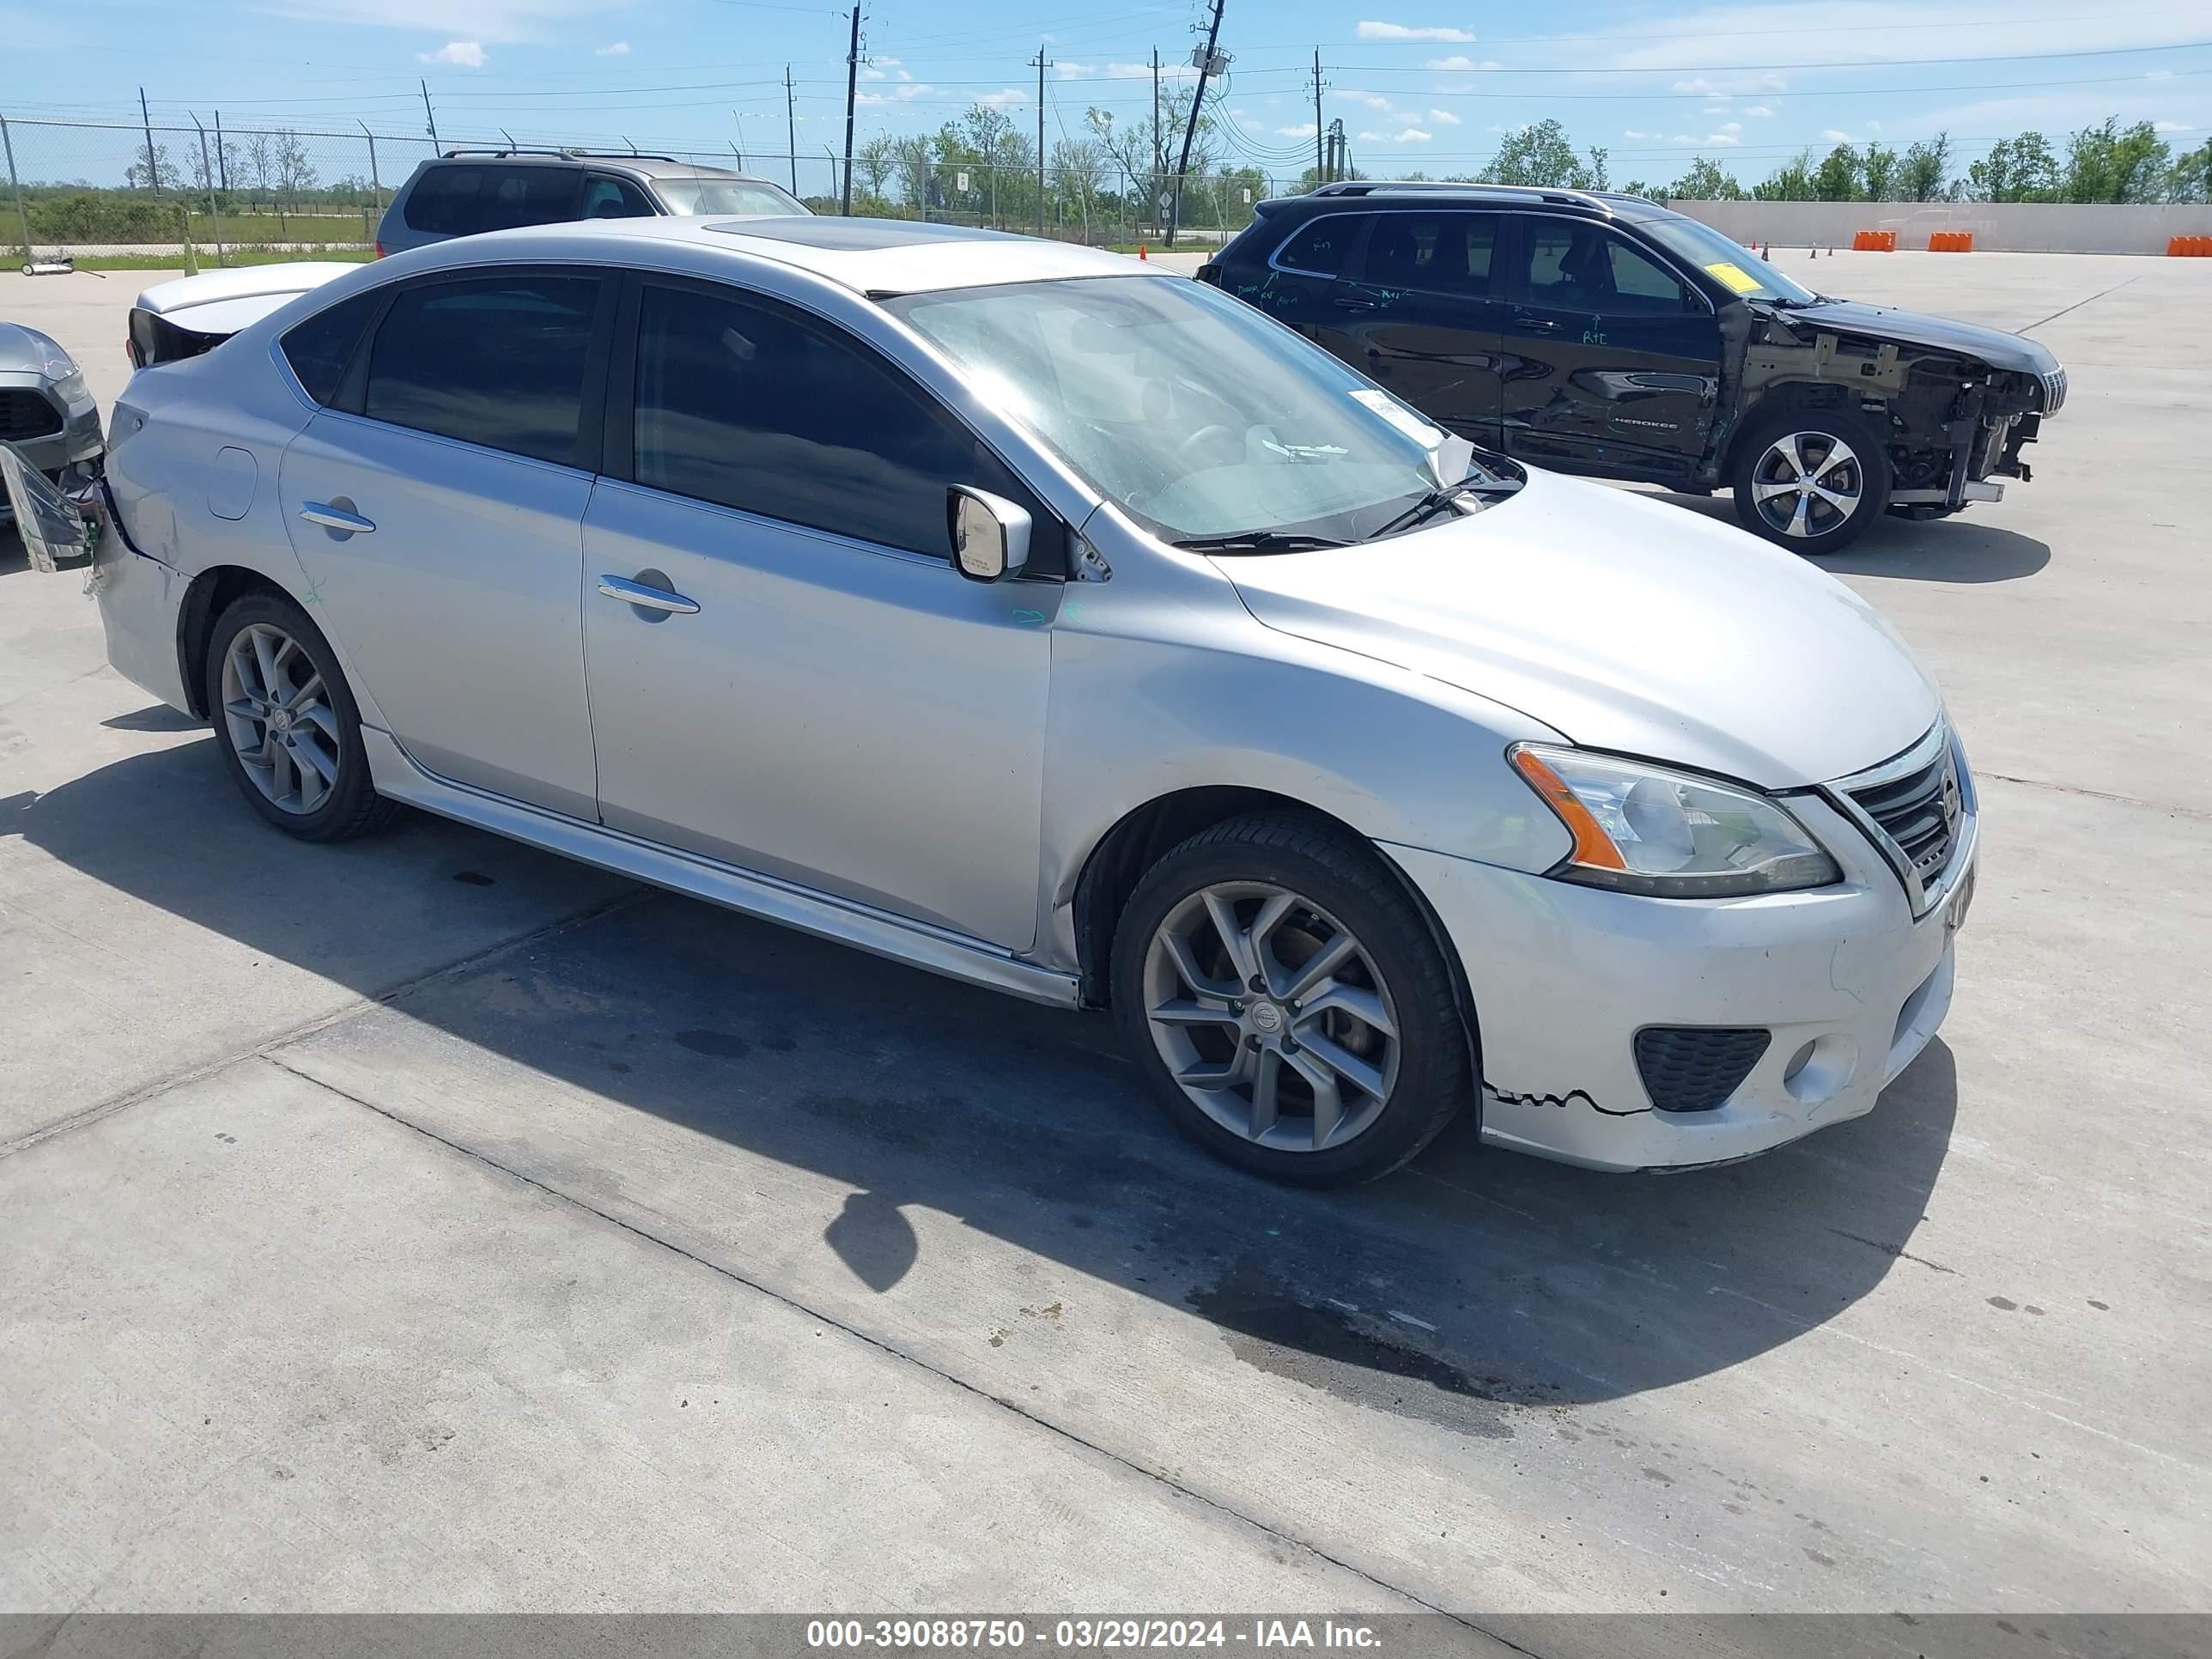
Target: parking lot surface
425,1223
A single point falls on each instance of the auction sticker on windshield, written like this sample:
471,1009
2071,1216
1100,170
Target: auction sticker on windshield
1738,280
1402,417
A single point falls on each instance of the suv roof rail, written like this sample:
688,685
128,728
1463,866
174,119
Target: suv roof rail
564,151
1588,199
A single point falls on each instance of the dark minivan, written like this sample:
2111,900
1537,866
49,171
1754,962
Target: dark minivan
1602,334
464,191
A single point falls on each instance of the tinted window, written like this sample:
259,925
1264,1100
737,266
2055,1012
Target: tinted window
614,198
1439,252
710,194
497,361
1320,247
748,406
462,200
1581,267
320,348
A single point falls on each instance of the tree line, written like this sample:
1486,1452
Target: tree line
2106,162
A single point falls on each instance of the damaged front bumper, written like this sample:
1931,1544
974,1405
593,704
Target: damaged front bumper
61,518
1845,982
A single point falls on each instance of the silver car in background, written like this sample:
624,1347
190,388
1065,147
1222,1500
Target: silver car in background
1022,613
48,413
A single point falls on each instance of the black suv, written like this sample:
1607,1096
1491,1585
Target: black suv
467,190
1602,334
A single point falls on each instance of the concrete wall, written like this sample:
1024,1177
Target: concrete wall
1998,227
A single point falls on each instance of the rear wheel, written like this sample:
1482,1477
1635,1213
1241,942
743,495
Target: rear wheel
1811,480
286,721
1287,1004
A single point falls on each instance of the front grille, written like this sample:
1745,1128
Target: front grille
1919,811
2054,391
1695,1068
24,414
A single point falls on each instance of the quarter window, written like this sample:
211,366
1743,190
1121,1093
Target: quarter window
748,406
320,348
614,198
1319,248
1436,253
495,361
1574,266
462,200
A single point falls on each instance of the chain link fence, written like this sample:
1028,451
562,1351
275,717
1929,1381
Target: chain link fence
221,195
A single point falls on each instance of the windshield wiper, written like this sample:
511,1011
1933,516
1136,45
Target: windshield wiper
1438,500
1257,541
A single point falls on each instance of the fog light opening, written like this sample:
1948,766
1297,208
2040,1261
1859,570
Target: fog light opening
1820,1068
1798,1062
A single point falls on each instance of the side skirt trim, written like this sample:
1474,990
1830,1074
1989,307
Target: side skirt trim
398,776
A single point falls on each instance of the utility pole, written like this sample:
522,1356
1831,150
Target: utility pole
1041,65
790,128
1159,151
1206,62
1320,165
852,97
429,114
153,172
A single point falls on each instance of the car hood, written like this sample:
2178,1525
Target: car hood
24,350
1993,346
1622,622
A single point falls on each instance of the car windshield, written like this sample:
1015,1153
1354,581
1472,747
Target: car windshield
1197,415
1733,266
687,197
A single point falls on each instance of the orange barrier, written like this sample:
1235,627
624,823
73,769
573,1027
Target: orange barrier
1874,242
2196,247
1950,241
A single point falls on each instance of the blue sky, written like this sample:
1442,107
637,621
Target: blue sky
1427,85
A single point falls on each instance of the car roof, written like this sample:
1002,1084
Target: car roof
875,256
652,166
1610,204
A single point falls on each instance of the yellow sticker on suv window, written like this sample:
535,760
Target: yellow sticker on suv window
1738,280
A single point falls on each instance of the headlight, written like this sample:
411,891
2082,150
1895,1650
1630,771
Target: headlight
1668,835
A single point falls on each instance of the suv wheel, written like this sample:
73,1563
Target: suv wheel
286,721
1287,1003
1810,480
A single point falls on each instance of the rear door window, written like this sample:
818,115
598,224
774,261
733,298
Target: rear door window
466,198
609,197
1433,253
497,361
1321,246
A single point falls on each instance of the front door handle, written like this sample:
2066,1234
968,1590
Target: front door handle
1348,303
331,516
653,598
1537,325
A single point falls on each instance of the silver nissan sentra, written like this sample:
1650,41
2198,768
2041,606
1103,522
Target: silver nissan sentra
1028,615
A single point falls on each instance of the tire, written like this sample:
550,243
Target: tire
317,719
1386,1010
1768,455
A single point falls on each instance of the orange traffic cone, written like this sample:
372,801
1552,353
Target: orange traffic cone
1140,253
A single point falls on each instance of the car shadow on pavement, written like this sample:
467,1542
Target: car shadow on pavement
1966,550
1473,1281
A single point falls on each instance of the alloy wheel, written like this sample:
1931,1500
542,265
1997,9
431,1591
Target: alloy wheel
1808,484
278,714
1272,1019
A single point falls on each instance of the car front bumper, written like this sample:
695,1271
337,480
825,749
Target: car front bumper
1563,976
79,438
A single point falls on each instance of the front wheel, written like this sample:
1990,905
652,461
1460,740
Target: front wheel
1287,1004
1811,480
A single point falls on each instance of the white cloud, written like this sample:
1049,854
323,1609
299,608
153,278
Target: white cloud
1698,86
1874,127
1721,108
1632,133
1443,117
897,95
1004,98
2173,127
1305,131
1461,63
1836,136
1734,128
461,54
1070,71
493,20
884,69
1371,99
619,48
1751,32
1403,32
1410,136
1758,110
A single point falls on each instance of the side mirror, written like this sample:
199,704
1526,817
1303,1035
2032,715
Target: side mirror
990,534
57,534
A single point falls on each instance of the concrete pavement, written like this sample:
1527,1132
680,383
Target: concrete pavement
427,1223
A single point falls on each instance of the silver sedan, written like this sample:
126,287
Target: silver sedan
1025,614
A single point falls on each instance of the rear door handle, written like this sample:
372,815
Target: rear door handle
1348,303
653,598
1537,325
333,517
